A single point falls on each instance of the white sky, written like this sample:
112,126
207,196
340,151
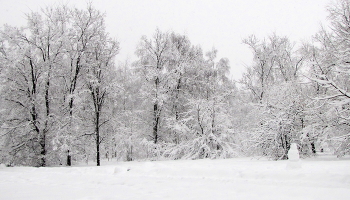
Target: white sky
210,23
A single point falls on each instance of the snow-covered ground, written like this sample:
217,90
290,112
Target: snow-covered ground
242,178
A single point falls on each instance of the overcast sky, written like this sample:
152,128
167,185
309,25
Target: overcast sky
217,23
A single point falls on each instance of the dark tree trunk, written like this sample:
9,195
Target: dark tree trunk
69,159
313,148
46,128
34,115
176,108
42,149
72,88
97,130
155,123
156,114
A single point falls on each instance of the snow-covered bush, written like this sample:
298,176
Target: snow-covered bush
207,146
272,139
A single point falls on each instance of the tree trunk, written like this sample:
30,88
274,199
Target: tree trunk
155,123
46,128
72,88
156,114
176,109
34,115
69,159
42,143
97,130
313,148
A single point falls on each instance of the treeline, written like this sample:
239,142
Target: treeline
63,97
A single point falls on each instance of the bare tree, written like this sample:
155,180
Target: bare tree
86,27
154,58
42,47
99,81
275,61
330,66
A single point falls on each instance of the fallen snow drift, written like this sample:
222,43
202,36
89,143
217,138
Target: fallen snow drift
183,179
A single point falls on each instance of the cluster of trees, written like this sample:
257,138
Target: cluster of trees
301,93
63,97
56,77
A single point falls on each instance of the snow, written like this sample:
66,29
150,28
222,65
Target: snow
319,178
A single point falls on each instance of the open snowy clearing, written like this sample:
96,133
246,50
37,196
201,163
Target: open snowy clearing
243,178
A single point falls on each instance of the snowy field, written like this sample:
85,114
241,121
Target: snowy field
243,178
